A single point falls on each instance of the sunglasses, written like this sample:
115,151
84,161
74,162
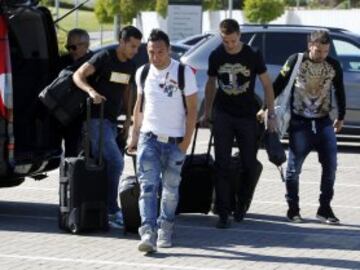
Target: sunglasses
73,47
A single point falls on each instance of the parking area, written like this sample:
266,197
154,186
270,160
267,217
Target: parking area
30,238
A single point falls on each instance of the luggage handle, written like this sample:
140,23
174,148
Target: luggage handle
87,133
194,144
133,157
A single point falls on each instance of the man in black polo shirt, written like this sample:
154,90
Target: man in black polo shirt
114,71
234,65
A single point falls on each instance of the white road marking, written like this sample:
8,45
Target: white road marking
102,262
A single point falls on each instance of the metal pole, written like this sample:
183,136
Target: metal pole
230,8
76,14
57,7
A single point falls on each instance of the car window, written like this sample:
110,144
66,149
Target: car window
177,51
257,42
279,46
196,39
197,56
348,54
246,37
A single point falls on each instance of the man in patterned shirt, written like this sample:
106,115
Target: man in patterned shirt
310,126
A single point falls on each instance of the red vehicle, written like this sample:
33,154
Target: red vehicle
29,144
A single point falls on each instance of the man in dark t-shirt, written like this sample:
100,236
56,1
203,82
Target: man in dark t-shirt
233,109
77,44
310,125
114,71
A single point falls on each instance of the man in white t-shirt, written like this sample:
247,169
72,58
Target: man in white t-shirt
164,121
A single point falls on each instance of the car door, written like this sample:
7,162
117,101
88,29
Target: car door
33,51
276,47
347,52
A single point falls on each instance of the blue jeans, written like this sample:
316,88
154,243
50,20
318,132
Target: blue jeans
158,164
112,155
307,135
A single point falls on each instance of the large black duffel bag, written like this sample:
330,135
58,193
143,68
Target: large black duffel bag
63,99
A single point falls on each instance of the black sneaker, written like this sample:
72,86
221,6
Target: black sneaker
223,223
326,215
293,215
239,214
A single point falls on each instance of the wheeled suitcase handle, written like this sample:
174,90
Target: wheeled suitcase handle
87,133
194,144
133,157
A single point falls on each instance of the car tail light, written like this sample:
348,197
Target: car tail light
6,89
193,69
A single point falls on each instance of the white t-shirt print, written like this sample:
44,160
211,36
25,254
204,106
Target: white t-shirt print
164,112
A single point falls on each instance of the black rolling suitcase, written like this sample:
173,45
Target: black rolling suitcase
83,189
129,200
238,182
197,181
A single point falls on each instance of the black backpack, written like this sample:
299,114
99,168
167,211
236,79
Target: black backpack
181,83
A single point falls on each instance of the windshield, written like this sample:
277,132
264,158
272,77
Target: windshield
196,55
348,52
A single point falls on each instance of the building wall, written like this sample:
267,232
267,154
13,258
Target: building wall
347,19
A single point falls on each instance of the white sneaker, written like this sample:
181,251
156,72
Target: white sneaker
164,239
147,243
165,232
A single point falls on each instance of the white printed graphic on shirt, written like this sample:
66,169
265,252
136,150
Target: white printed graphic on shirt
118,77
164,112
229,78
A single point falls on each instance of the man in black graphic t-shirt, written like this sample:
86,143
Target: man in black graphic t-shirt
235,66
310,125
114,71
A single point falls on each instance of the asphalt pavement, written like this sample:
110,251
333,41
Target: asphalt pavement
30,238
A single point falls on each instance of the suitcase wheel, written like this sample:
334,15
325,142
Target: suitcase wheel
61,221
74,228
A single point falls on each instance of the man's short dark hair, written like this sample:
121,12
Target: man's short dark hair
229,26
159,35
129,32
319,36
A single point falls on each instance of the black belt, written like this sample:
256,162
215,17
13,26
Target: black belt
165,139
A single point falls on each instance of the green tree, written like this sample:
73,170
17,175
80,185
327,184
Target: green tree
128,9
263,11
221,4
106,9
294,3
161,7
212,4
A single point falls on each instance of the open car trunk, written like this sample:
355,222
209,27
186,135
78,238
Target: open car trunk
32,142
